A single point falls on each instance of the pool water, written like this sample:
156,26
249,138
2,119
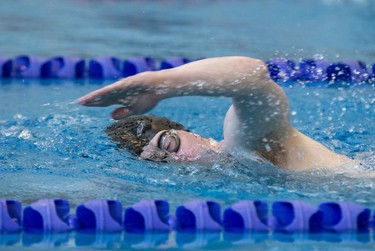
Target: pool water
50,147
54,148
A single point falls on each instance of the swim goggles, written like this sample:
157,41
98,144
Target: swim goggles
169,135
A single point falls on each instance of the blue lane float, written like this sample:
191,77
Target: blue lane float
342,217
147,215
291,216
47,215
63,67
198,215
358,70
23,67
171,62
135,65
246,216
313,70
310,70
105,68
3,62
99,215
282,70
348,71
10,216
339,72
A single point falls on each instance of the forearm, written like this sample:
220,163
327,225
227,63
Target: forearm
228,76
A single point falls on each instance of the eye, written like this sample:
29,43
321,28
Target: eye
169,141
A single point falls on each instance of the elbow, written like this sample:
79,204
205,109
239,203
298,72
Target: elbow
260,70
256,68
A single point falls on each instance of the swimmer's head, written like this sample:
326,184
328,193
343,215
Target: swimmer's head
135,132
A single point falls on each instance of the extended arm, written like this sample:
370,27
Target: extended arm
244,79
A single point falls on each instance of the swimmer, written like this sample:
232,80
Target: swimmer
257,122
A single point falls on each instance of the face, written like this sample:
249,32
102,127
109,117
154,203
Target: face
178,145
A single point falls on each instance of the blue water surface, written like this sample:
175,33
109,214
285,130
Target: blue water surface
50,147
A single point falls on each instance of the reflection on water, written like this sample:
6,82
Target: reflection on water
198,240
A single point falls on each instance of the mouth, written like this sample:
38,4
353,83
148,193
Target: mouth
153,153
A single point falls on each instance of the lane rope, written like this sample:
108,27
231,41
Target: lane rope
108,216
281,70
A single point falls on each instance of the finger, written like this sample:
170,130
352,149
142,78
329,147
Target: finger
95,98
91,101
121,113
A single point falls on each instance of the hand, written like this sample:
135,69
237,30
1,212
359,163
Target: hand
134,94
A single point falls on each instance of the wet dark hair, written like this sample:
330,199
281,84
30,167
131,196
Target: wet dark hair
135,132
